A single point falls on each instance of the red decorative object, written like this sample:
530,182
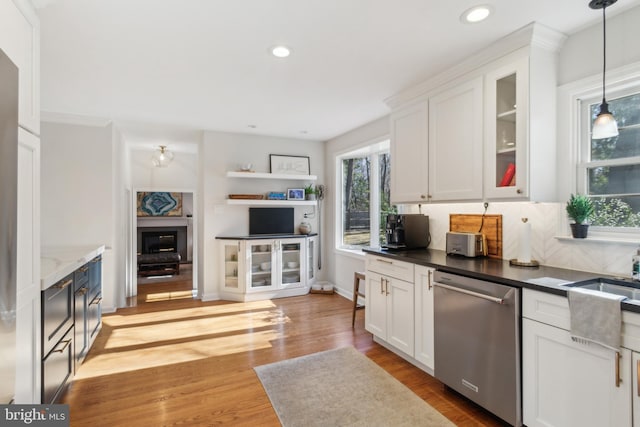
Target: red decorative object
508,176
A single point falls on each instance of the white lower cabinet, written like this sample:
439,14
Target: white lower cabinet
265,268
566,383
635,380
571,384
424,325
389,311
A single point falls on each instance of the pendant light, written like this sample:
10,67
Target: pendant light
162,157
604,126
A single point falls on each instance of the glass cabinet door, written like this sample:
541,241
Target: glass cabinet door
290,262
311,260
505,141
231,252
260,265
506,133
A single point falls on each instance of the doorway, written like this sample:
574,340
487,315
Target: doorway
165,247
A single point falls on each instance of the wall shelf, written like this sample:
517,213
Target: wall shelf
263,175
254,202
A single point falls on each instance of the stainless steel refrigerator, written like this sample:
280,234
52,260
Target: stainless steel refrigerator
8,224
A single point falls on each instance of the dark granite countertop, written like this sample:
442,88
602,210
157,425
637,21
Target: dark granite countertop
495,270
266,236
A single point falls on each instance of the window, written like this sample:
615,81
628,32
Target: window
364,177
610,170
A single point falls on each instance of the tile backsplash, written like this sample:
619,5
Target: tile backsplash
548,220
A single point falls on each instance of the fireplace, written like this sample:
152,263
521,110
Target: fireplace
172,239
154,242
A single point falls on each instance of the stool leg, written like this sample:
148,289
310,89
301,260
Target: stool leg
356,285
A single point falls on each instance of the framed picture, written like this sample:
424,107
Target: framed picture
290,165
159,204
295,194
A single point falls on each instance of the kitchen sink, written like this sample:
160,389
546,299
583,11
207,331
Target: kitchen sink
612,286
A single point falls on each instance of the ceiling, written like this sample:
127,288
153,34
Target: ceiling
204,64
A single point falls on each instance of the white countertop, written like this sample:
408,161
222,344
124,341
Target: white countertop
56,262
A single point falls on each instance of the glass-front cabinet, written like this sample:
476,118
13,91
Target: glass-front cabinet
231,265
505,138
260,256
275,267
312,259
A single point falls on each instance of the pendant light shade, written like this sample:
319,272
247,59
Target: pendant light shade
604,126
162,157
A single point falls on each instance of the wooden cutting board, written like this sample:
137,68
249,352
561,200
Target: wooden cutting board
472,223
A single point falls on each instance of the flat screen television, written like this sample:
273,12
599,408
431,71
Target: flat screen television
270,221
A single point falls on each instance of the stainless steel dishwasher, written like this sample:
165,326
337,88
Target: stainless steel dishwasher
477,342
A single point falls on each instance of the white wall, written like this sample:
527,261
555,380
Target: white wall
79,204
182,173
221,152
581,55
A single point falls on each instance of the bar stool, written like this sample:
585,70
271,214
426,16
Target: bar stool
357,277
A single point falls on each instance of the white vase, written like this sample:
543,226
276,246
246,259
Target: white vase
304,228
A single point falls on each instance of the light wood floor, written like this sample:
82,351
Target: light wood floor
179,361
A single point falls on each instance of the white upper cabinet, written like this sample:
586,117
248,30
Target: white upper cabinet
461,135
20,40
455,143
409,154
506,110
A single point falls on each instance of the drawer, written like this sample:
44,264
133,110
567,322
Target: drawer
546,308
554,310
389,267
57,312
57,368
81,276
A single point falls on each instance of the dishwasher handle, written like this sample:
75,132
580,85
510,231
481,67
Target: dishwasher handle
472,293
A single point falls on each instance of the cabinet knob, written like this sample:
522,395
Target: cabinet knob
519,191
422,196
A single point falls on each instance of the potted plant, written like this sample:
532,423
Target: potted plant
310,192
580,210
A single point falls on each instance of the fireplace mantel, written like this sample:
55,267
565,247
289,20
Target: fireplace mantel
164,222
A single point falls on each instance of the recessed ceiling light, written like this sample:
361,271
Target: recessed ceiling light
280,51
252,126
476,14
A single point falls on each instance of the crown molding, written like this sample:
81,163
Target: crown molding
73,119
533,34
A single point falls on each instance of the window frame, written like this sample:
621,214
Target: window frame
622,82
373,149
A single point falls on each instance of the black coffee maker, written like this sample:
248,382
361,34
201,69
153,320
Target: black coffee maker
395,231
407,231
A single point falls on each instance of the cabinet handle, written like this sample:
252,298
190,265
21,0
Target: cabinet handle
96,301
386,286
638,376
83,269
95,260
618,379
429,280
384,261
82,291
64,284
381,288
64,347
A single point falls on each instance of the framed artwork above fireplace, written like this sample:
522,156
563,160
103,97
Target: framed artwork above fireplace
157,203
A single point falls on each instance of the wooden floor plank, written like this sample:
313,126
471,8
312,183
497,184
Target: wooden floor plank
194,360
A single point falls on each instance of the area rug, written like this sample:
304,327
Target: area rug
342,387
